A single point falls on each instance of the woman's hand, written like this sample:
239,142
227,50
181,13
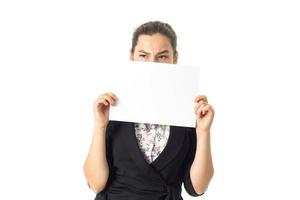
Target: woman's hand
101,108
205,114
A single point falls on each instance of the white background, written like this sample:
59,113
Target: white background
249,57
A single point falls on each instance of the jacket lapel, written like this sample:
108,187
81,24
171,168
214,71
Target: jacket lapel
173,147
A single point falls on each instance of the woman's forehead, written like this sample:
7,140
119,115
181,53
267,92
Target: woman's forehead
155,42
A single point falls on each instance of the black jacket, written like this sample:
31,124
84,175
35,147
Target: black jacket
132,178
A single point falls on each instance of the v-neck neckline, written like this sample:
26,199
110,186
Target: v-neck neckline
161,154
173,146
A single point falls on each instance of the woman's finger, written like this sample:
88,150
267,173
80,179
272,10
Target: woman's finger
104,101
112,94
198,98
205,108
199,104
108,98
200,108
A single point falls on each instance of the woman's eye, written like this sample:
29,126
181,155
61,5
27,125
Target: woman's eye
142,55
163,57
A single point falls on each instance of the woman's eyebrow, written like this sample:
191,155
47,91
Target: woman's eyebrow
142,51
162,52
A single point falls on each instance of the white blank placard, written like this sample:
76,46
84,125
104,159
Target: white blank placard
151,92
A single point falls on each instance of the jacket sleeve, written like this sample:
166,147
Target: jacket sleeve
189,160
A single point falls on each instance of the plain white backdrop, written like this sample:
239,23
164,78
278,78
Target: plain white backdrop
249,57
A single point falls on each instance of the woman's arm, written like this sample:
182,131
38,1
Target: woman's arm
202,167
96,168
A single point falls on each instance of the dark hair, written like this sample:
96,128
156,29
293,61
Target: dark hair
153,27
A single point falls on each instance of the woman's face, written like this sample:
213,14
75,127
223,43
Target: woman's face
154,48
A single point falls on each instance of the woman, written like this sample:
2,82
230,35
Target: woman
140,161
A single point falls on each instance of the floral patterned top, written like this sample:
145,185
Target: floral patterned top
152,139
